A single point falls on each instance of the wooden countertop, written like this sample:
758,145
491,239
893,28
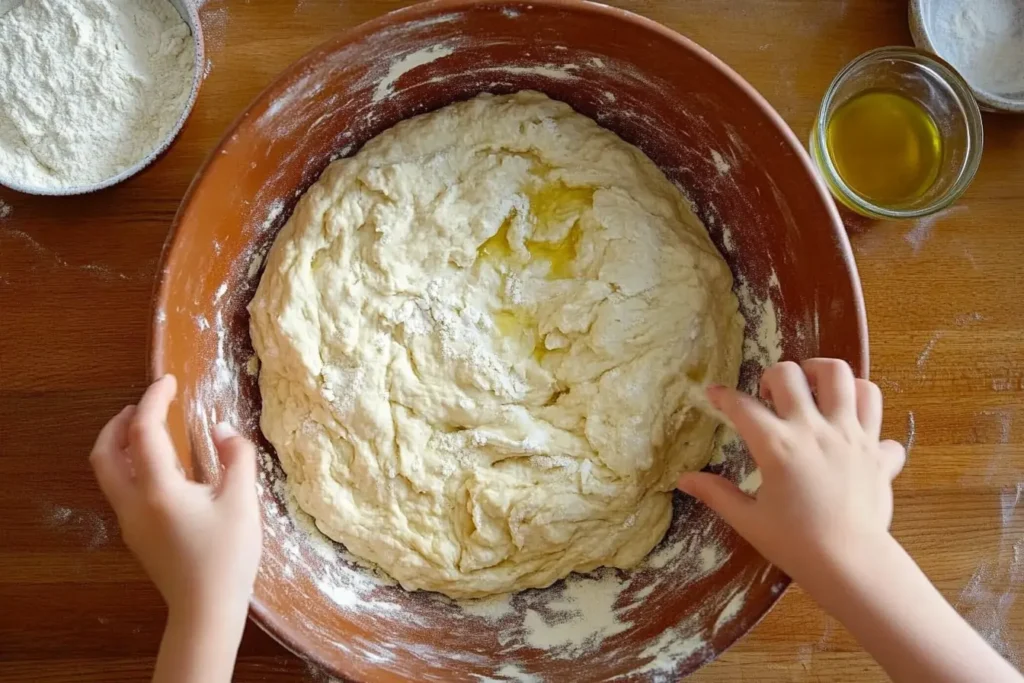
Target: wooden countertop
945,299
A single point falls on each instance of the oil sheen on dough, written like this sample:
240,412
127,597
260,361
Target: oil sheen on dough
477,338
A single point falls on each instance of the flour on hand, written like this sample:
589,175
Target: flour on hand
478,339
89,88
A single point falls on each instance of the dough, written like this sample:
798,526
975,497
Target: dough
477,339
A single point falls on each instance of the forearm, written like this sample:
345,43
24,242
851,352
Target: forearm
200,647
901,619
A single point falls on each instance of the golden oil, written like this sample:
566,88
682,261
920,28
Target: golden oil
885,146
517,324
551,206
497,248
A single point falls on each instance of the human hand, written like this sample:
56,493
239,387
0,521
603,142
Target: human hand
199,544
826,492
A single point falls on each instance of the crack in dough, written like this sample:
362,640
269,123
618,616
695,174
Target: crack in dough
477,338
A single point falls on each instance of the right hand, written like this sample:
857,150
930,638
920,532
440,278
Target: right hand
826,495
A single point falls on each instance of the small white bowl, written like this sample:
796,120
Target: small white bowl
191,16
922,28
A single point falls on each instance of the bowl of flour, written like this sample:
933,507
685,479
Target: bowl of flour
983,40
462,273
93,91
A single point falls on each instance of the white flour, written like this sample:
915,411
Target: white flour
984,40
89,88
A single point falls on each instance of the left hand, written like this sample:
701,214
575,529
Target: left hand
200,545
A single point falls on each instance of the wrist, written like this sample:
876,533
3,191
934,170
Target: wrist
852,564
224,616
200,641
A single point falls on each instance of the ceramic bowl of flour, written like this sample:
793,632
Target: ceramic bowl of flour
748,179
96,91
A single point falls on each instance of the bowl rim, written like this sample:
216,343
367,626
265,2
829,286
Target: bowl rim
190,15
944,72
265,618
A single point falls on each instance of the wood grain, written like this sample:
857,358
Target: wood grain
944,309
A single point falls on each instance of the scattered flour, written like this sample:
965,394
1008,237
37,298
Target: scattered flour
581,619
922,358
908,443
86,526
922,229
731,609
400,67
965,319
6,210
763,342
721,165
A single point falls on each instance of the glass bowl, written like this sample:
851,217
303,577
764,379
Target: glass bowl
939,89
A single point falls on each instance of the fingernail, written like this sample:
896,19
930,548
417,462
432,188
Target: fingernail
684,485
223,431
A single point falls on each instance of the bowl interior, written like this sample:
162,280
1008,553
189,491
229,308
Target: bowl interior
750,182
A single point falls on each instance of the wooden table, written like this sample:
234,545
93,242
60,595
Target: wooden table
945,308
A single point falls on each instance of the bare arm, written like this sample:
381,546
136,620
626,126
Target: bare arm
200,648
898,616
822,514
199,544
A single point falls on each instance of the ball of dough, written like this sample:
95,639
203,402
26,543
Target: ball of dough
477,339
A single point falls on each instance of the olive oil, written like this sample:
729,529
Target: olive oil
497,248
552,206
885,146
517,324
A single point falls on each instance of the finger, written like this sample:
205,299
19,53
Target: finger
895,457
754,423
238,457
785,385
150,446
722,496
832,381
869,407
109,461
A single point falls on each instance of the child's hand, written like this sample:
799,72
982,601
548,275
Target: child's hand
826,494
201,546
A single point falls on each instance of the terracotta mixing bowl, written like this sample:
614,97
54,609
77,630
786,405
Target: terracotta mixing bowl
711,133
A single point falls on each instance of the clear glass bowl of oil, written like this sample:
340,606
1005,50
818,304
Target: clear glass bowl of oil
898,134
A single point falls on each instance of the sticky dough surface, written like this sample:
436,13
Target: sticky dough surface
478,339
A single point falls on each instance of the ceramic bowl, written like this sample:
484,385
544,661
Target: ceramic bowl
712,134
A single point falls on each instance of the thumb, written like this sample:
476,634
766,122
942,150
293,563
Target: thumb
238,456
722,496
